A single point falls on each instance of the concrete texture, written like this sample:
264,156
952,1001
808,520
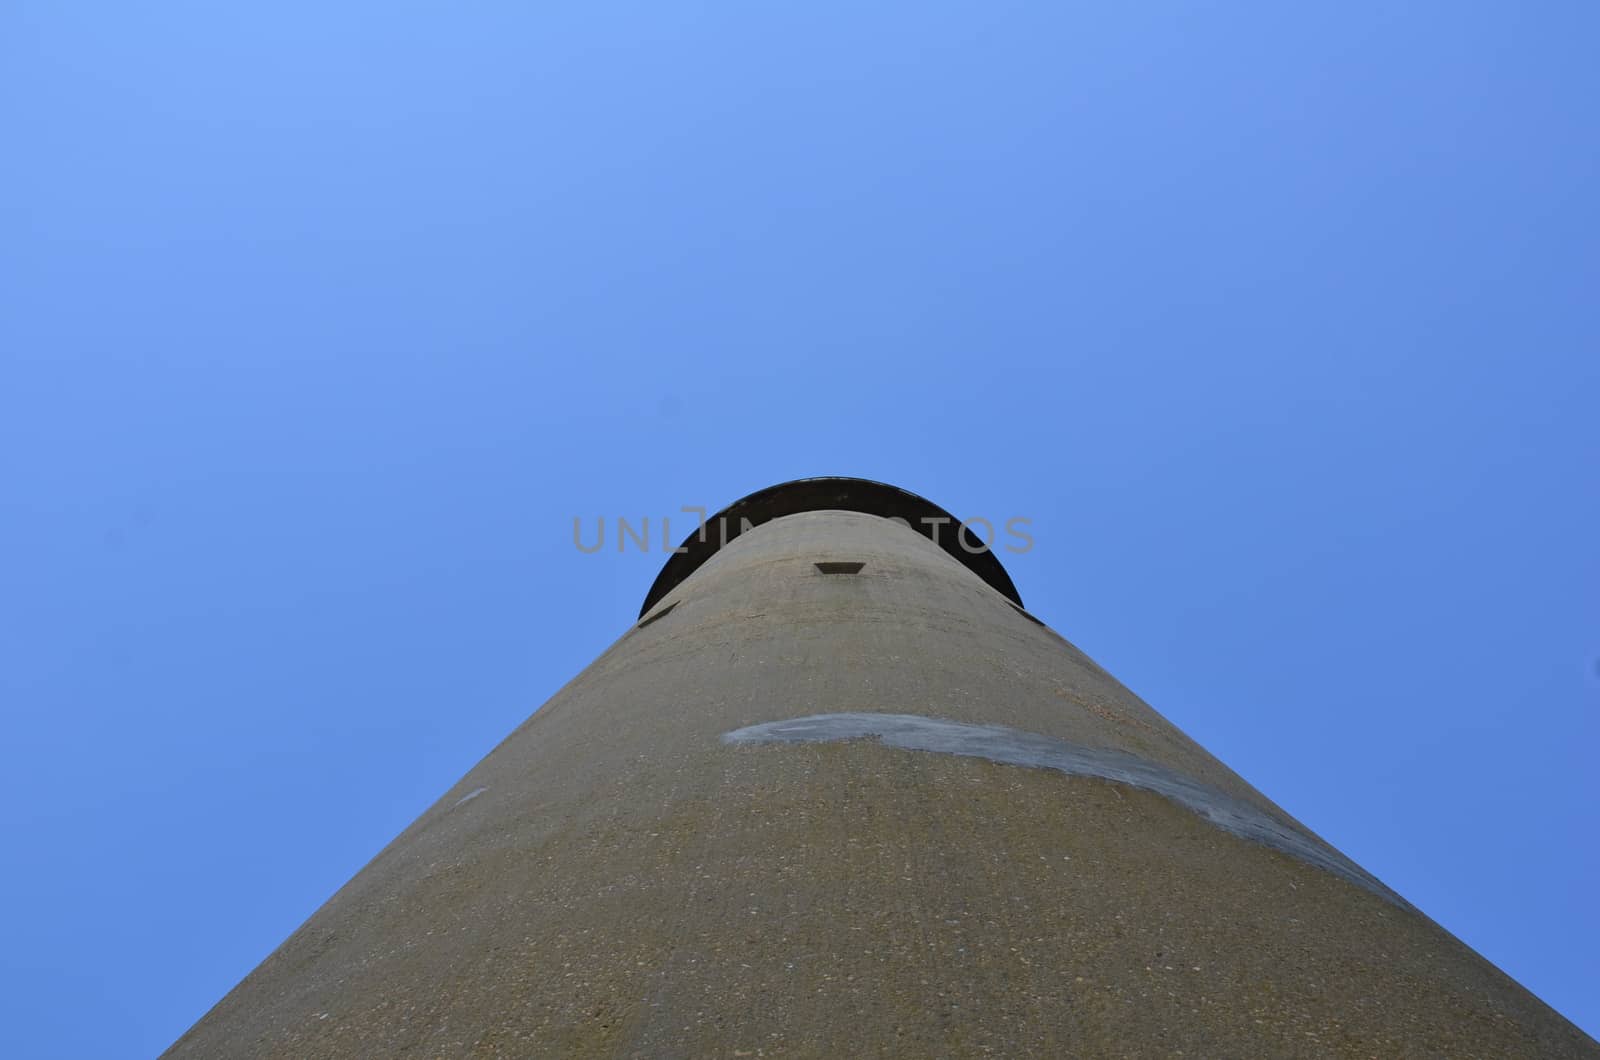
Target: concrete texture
996,743
615,879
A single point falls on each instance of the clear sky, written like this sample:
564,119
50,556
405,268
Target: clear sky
319,323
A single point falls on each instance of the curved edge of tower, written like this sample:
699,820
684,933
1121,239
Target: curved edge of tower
837,793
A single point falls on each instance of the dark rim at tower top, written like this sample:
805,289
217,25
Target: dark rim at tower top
832,494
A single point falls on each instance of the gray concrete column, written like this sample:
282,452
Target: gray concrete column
858,811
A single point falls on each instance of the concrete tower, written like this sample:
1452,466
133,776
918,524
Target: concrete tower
837,794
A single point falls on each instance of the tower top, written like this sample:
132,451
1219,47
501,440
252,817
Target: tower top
832,494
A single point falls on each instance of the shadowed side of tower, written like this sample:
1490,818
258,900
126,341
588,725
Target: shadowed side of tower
837,794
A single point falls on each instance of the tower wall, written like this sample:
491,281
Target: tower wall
807,813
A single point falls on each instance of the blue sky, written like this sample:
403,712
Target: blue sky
322,322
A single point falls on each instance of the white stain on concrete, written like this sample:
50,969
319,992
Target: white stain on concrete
997,743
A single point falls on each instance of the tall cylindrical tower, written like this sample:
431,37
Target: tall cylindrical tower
838,794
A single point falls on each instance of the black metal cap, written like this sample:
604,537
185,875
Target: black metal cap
835,494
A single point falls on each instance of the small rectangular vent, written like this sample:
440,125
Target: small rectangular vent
839,567
658,616
1031,618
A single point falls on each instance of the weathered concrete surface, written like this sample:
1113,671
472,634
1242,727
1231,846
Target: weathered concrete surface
616,880
996,743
